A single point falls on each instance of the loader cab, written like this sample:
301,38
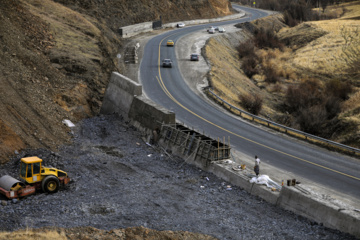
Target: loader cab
30,169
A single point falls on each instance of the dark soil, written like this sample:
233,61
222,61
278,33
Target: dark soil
119,181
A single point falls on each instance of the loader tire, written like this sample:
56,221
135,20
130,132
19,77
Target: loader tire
50,184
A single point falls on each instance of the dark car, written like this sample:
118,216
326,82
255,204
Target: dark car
167,63
194,57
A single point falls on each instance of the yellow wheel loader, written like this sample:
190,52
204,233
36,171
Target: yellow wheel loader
34,177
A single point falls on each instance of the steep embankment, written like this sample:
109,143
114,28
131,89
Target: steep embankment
312,52
56,58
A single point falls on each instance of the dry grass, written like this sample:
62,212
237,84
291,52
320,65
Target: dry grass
225,72
352,10
351,109
316,50
228,80
74,35
323,55
279,61
32,235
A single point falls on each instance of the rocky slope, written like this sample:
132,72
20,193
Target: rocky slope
56,58
120,183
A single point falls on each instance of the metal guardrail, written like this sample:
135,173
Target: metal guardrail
306,135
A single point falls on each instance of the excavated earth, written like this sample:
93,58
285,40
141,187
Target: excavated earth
120,181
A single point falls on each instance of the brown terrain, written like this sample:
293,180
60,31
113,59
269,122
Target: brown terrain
56,58
315,52
86,233
55,61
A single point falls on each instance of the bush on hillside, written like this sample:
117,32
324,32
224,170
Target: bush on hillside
312,120
338,89
271,75
313,106
307,94
249,65
289,20
266,38
251,102
246,49
332,106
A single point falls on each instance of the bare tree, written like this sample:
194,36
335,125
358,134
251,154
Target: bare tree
324,4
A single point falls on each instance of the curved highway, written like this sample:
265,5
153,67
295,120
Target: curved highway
166,87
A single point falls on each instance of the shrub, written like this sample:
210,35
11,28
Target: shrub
251,102
273,5
338,89
249,64
289,20
312,120
307,94
246,49
270,74
266,38
332,107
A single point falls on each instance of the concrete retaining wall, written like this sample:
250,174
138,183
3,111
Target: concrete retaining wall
205,21
308,205
148,114
289,198
345,220
132,30
124,96
119,95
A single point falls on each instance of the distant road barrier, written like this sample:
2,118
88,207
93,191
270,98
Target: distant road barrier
133,30
288,130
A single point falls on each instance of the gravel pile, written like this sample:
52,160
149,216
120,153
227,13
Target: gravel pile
119,181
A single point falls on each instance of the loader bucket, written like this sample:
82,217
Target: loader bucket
10,184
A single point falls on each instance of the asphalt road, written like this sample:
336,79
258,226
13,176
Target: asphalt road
166,87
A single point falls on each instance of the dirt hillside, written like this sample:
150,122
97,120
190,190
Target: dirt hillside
56,58
313,51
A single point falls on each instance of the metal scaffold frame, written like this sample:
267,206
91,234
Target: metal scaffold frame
189,142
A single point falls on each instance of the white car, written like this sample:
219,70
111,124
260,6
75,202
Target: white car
180,25
222,30
211,30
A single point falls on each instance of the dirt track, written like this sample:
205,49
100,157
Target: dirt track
119,181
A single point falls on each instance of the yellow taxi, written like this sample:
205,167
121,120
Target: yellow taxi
170,43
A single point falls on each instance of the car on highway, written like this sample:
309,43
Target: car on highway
194,57
170,43
180,25
211,30
221,30
167,63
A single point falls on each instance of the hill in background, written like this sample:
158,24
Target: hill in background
56,58
301,75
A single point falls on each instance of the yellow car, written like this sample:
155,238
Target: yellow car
170,43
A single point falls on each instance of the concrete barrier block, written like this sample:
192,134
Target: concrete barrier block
119,95
132,30
319,211
265,193
149,114
234,177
